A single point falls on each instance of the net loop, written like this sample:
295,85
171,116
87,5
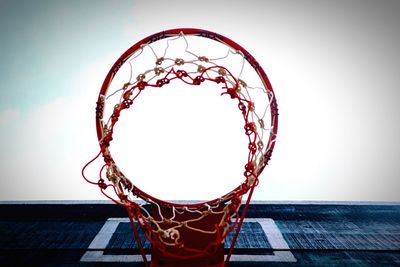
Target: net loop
250,128
179,61
162,82
198,80
181,73
141,85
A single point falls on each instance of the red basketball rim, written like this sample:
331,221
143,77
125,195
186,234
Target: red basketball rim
206,34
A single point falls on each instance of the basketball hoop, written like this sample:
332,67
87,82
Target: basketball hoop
192,233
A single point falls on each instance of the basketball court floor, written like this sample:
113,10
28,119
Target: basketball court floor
274,234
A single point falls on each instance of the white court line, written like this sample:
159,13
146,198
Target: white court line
104,235
271,231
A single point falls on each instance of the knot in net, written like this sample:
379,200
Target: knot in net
190,230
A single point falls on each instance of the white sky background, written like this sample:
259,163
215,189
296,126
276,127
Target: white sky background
334,66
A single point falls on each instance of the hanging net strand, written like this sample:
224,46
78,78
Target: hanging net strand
170,227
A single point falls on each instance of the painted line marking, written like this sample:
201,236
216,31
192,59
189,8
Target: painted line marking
271,231
104,235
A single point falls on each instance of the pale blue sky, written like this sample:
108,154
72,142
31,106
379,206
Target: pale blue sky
52,64
334,66
46,44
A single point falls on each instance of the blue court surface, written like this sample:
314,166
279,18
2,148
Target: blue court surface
274,234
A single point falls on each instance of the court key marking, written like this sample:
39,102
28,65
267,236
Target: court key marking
280,249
